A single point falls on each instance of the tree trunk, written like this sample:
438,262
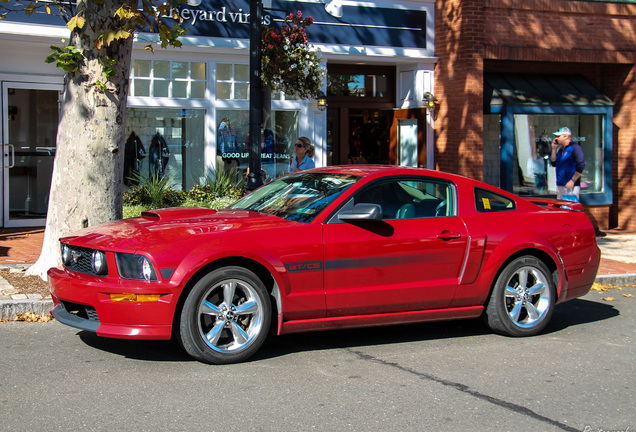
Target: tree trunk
86,186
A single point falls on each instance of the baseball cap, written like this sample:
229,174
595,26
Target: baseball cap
563,131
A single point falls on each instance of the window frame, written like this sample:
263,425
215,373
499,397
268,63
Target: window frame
232,82
343,69
451,189
151,79
479,201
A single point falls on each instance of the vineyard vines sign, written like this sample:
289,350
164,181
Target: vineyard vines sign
191,16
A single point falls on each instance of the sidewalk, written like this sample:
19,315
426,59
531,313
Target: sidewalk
20,247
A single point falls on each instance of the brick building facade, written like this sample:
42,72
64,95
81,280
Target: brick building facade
594,39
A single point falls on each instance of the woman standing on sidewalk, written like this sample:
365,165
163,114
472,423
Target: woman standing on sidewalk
303,151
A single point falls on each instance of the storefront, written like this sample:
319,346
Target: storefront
188,108
510,74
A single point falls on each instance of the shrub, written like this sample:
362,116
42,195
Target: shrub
218,192
153,192
223,183
222,202
133,210
201,193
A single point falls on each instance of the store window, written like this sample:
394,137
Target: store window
164,78
232,81
358,85
232,148
533,173
165,143
351,81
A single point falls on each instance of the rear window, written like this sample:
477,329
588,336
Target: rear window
488,201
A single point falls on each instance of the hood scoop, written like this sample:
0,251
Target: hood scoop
175,213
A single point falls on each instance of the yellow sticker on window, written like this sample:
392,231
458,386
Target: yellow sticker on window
486,202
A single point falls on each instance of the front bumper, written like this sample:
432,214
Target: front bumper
84,302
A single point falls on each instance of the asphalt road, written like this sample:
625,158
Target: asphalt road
579,375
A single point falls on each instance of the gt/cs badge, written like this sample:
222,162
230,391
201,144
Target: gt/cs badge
304,266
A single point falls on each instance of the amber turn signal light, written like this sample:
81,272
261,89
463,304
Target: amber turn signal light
135,297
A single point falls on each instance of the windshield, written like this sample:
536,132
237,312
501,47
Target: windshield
297,197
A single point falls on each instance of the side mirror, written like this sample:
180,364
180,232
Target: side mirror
362,212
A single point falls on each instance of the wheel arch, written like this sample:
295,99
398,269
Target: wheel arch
254,266
534,252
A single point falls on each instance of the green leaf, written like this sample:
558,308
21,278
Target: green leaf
30,9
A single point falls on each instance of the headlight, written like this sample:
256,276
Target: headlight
66,255
133,266
99,263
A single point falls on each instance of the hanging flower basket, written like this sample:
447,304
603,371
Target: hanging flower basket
288,62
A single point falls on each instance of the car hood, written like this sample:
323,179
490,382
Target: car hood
171,226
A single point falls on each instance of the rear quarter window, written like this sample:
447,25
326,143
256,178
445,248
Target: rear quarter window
487,201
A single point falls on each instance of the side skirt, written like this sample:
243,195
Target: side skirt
359,321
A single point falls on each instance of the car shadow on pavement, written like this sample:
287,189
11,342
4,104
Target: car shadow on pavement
372,336
572,313
579,311
149,350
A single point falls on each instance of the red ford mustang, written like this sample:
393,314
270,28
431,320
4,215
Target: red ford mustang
328,248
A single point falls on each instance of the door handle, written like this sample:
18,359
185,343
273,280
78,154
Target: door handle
9,151
448,235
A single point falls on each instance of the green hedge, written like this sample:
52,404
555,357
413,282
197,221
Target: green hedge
218,191
216,203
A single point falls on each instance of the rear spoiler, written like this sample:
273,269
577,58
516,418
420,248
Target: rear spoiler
556,203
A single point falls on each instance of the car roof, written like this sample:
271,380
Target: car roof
385,170
372,172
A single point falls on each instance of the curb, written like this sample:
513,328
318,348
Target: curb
618,279
20,303
9,309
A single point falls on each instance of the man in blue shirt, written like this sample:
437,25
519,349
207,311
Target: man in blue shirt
567,156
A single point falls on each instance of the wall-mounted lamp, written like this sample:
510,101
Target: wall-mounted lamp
334,8
321,101
430,100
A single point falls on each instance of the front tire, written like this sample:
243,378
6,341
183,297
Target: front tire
226,316
522,300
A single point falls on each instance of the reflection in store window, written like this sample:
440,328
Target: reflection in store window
173,145
533,173
232,142
357,85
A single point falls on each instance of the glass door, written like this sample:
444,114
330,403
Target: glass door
30,119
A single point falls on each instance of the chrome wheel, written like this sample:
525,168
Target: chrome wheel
225,317
522,299
230,316
528,297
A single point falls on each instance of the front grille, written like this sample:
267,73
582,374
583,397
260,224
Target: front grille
81,260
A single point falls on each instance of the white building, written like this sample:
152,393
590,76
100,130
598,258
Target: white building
379,59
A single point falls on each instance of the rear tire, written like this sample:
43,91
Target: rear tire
226,316
522,300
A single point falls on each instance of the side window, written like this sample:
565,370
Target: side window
488,201
410,198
